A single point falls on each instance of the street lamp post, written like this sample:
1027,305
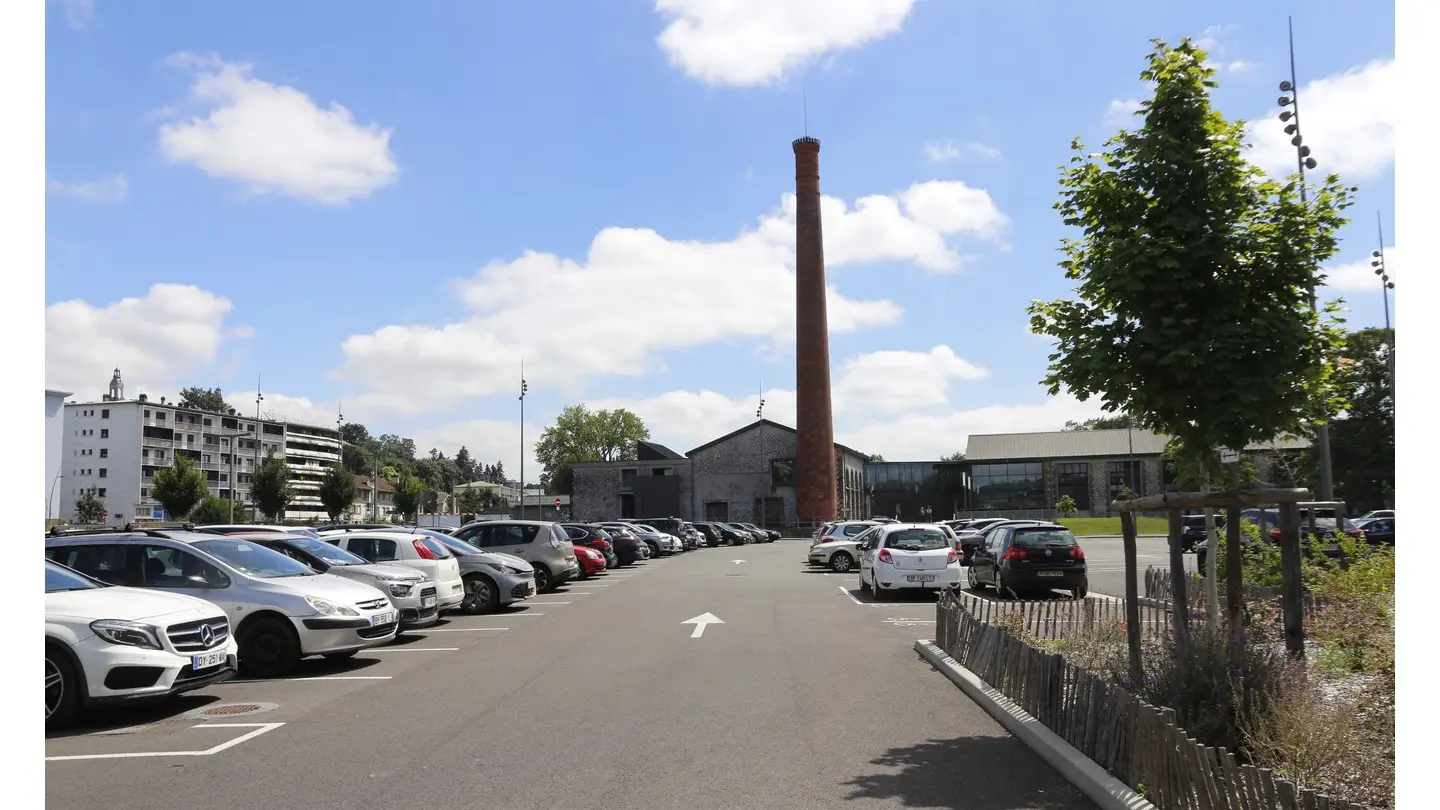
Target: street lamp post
1304,161
1386,285
764,460
524,389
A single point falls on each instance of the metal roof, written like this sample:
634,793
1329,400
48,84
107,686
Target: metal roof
1084,444
756,424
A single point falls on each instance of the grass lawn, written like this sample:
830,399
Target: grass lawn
1091,526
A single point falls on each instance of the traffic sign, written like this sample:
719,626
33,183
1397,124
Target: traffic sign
1228,456
557,503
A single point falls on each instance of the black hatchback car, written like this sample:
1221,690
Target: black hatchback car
709,533
583,534
1030,557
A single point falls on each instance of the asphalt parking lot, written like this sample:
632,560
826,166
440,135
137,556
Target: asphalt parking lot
607,694
1105,561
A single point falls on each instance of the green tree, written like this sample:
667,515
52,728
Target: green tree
206,399
89,508
1194,276
877,458
953,458
270,486
337,491
211,511
1067,507
1362,441
497,473
1117,422
408,492
474,501
354,433
580,435
179,487
465,465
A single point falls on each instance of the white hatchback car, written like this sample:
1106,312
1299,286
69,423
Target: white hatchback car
908,555
110,645
420,552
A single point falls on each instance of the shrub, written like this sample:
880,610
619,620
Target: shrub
1067,507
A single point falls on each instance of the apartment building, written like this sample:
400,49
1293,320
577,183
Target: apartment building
116,445
310,450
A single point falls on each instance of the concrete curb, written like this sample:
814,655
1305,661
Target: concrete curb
1106,791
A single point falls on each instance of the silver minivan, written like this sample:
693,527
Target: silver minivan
281,609
543,544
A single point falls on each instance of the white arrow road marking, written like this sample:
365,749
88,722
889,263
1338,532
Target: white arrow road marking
737,562
701,622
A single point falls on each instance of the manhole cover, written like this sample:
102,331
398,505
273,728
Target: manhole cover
230,710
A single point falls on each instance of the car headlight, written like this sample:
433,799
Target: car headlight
131,634
325,608
508,569
399,587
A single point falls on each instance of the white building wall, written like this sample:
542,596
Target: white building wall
101,449
54,450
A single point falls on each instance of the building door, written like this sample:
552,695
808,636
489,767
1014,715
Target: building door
627,506
717,511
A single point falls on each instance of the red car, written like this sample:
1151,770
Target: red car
591,561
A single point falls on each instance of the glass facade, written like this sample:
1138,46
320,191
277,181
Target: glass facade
916,490
1073,480
1015,485
1126,474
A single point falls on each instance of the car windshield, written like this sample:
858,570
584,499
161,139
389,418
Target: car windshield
916,540
621,532
647,528
59,578
458,546
333,555
1043,537
253,559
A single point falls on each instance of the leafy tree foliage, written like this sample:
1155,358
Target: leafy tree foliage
876,457
206,399
1117,422
475,501
1194,276
580,435
465,465
211,510
1362,442
953,458
270,487
337,491
89,508
408,491
179,487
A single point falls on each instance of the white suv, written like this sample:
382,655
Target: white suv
109,645
281,609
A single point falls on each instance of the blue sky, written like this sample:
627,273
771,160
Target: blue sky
402,255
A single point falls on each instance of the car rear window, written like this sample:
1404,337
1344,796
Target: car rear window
1043,537
917,540
435,547
851,531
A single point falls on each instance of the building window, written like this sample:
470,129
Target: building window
205,459
1019,485
104,452
159,414
102,472
147,413
1125,474
105,413
144,492
1074,482
145,453
101,493
782,472
207,423
104,433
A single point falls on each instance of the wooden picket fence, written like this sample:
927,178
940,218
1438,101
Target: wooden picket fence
1051,619
1137,743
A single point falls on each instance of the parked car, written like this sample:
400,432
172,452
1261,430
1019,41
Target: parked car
542,543
900,556
839,554
766,535
593,537
732,535
414,595
971,539
352,527
1380,513
281,609
675,527
109,645
1380,531
1022,557
251,528
709,534
657,542
697,539
843,529
1192,531
419,552
669,543
492,580
591,561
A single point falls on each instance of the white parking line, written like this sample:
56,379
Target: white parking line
313,678
847,592
463,629
411,649
259,728
549,603
524,613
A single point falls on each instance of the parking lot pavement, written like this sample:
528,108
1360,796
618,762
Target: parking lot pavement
699,681
1105,560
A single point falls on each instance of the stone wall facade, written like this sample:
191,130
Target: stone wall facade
736,472
599,487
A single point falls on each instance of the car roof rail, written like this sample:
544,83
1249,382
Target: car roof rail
147,531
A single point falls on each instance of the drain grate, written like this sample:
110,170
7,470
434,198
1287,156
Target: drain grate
230,710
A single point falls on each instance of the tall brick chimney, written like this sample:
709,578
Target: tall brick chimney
815,495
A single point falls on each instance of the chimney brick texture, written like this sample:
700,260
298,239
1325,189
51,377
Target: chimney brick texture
815,495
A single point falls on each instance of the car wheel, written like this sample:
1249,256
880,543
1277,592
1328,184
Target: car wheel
62,689
1080,592
864,586
543,581
841,563
268,648
340,656
974,581
480,595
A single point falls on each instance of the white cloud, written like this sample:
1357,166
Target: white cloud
79,14
1209,40
274,139
1359,276
754,42
947,151
556,312
1121,113
900,381
105,189
1239,66
1348,120
154,340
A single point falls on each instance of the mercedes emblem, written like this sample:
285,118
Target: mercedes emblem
1047,552
207,636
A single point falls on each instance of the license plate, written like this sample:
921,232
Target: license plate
382,618
427,601
920,578
207,660
1049,573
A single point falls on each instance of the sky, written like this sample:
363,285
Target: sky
384,209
